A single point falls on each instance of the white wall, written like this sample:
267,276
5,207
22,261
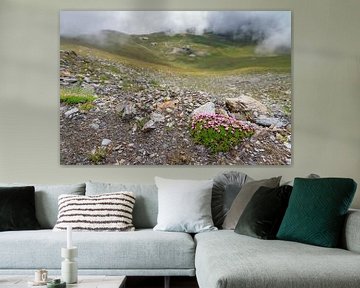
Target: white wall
326,91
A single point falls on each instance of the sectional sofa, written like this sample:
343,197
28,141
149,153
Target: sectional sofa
219,259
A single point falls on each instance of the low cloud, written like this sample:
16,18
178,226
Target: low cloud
270,29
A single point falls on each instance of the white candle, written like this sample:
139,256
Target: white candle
69,239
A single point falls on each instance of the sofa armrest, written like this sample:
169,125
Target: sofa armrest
351,234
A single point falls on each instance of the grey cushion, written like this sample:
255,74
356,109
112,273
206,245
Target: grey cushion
146,204
247,262
310,176
225,189
144,249
184,205
243,198
264,212
46,200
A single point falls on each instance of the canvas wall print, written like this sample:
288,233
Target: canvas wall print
175,88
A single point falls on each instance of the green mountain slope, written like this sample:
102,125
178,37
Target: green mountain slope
208,53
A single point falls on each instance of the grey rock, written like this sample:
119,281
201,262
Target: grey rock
288,145
245,104
105,142
183,50
207,108
148,126
128,110
70,80
71,112
157,117
94,126
270,121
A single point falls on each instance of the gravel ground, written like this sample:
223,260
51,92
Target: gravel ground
112,131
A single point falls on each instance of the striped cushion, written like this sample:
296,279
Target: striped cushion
105,212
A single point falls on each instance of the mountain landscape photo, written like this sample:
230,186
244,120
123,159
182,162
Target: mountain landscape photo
175,88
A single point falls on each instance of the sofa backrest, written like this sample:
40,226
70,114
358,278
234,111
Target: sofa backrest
46,200
351,237
146,203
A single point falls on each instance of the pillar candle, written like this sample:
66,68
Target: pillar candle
69,237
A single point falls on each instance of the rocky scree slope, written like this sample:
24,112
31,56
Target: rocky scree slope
142,117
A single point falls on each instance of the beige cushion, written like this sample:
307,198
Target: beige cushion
243,198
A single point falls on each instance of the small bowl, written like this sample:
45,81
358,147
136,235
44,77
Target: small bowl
56,283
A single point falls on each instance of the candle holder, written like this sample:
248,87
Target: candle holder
69,271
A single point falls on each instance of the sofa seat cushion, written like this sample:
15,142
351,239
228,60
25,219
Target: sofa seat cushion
142,249
226,259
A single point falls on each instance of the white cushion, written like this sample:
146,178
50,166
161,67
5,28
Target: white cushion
184,205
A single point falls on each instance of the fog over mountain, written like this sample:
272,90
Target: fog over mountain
270,29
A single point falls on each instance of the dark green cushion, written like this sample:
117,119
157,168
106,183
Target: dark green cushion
263,214
17,208
316,211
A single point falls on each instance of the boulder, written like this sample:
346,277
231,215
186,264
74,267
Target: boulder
207,108
245,104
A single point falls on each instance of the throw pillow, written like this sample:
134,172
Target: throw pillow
184,205
226,187
17,208
146,205
105,212
317,209
243,198
263,215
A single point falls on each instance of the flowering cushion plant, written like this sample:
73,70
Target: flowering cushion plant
219,132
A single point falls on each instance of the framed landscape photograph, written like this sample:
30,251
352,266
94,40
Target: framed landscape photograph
175,88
